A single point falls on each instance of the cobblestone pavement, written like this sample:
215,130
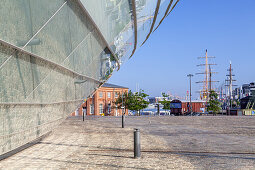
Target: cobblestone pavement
167,143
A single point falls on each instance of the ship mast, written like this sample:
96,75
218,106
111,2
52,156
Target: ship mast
207,83
205,87
229,85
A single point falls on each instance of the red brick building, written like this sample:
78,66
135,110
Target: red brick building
102,103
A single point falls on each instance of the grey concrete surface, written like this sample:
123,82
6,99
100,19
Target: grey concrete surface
166,142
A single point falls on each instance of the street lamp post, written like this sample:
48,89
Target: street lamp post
123,113
190,104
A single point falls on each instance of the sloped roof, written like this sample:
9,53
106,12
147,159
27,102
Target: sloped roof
113,86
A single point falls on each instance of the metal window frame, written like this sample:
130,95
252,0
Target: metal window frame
167,10
173,7
167,13
135,26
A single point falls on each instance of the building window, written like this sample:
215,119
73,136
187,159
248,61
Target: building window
91,109
101,94
116,95
101,109
109,94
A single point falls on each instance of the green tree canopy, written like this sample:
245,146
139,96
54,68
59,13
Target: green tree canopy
165,103
133,101
118,101
213,104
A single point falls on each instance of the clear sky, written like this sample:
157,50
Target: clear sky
225,27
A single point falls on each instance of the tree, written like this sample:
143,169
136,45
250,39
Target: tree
133,101
213,104
118,101
137,101
165,103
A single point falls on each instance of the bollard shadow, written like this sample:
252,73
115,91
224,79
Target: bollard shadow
62,144
92,148
114,156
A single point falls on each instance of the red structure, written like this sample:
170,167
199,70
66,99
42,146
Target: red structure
179,107
197,106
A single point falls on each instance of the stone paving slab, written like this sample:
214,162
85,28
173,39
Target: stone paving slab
218,142
93,144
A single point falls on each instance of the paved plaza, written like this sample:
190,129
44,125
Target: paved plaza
207,142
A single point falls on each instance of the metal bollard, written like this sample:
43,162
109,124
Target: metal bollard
123,114
123,121
137,144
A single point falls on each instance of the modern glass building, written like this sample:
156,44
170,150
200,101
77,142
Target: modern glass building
56,53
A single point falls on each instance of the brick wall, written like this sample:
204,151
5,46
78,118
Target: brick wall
105,96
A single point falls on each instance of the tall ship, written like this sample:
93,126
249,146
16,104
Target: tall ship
56,53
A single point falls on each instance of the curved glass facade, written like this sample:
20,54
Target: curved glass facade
56,53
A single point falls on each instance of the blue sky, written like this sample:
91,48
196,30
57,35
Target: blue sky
225,27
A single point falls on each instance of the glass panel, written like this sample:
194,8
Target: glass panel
25,78
20,20
145,15
62,86
5,53
22,124
61,35
70,39
20,75
114,19
162,9
90,59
